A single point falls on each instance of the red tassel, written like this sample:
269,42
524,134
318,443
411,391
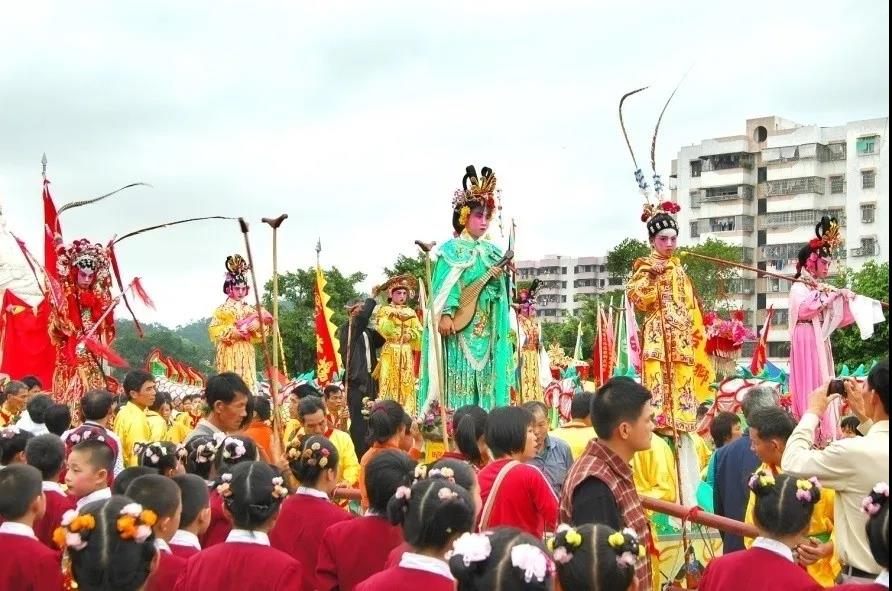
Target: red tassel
140,292
96,347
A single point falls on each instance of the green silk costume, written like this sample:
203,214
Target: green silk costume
477,360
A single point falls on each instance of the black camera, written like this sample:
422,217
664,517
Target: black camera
837,387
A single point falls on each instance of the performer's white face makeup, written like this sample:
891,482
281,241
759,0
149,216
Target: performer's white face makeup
238,292
820,268
478,223
85,277
399,296
664,242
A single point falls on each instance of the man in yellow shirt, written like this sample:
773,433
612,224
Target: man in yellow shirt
132,424
15,396
578,432
769,430
311,413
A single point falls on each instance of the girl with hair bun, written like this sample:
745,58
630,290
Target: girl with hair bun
252,494
385,423
307,514
469,431
433,513
782,514
164,456
109,545
876,506
505,559
229,451
596,557
201,455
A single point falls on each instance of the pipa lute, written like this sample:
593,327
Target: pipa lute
470,295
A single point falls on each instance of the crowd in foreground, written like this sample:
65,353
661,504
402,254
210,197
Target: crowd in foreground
106,505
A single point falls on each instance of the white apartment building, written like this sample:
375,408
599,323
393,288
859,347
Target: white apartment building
563,280
766,190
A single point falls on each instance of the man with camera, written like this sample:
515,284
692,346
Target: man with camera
850,467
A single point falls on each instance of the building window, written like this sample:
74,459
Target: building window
779,349
695,229
563,285
600,283
868,210
563,270
837,151
696,167
837,184
868,179
615,281
563,299
867,145
696,199
781,318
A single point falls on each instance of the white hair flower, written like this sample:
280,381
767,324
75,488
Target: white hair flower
471,547
531,560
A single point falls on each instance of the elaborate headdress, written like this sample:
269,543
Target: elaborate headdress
658,213
85,256
476,192
236,267
526,298
407,282
826,240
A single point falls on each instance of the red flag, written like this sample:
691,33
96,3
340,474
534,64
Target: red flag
25,347
51,229
760,355
327,358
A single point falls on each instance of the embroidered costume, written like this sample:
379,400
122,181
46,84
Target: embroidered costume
401,329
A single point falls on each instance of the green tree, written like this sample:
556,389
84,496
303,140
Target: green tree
621,257
404,265
872,281
135,350
712,281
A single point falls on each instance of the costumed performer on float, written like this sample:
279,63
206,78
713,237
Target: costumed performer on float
530,387
399,325
477,358
235,328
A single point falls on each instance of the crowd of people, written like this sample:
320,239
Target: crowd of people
143,492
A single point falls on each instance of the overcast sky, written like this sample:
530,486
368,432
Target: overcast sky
358,118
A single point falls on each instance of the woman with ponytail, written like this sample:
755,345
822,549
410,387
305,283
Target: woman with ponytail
782,514
596,558
468,432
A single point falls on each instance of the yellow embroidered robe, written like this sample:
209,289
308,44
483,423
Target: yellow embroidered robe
235,352
395,372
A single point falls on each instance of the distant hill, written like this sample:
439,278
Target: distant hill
188,343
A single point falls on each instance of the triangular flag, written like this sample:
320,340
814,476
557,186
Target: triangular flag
328,359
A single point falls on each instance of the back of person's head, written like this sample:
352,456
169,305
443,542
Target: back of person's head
784,504
47,454
128,475
620,400
97,453
506,430
309,405
703,410
581,405
306,389
32,382
385,472
876,505
432,513
850,423
58,419
878,381
157,493
12,444
135,379
468,426
194,495
535,407
97,404
772,422
456,470
596,557
19,486
505,559
201,455
161,398
385,420
252,493
37,406
721,427
225,387
262,408
235,449
310,457
111,545
164,456
758,397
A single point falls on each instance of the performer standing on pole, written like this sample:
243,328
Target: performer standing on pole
398,324
470,304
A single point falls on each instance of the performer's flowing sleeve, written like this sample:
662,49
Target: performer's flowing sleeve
221,327
415,330
642,287
387,327
441,271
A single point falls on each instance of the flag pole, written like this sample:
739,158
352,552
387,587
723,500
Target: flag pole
274,223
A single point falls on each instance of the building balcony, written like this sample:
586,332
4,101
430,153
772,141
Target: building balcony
819,152
741,286
780,318
802,217
773,285
719,194
795,186
867,249
716,162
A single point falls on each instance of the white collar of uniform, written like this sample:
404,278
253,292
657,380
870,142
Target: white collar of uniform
50,486
185,538
883,579
162,546
426,563
311,492
248,537
773,546
17,529
98,495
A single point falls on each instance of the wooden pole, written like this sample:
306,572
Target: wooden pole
274,223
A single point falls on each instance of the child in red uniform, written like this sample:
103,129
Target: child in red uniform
523,498
354,550
386,430
230,452
596,558
307,514
251,495
12,445
195,518
162,496
433,514
469,432
782,514
505,559
164,456
877,508
90,463
128,475
47,454
110,545
27,565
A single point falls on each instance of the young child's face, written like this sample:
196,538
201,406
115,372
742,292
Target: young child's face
82,478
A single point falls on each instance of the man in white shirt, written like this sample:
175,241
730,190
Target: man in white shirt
851,467
98,409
